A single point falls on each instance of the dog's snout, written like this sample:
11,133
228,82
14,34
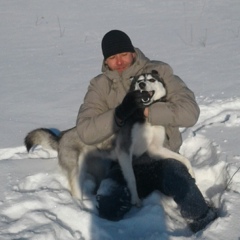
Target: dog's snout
142,85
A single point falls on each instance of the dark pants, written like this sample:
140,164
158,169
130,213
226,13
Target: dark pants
167,175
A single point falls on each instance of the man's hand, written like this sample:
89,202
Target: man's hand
131,102
146,112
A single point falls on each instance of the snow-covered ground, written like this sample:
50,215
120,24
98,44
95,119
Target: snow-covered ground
49,52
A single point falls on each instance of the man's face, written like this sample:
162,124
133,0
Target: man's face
120,61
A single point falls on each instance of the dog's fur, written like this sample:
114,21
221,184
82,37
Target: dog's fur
135,137
138,136
75,158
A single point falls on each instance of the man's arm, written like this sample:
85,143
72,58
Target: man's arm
95,121
180,108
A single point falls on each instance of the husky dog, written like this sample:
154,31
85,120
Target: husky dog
138,136
135,137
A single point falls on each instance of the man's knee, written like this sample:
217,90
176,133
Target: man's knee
114,203
175,168
176,178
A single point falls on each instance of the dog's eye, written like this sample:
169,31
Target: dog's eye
152,80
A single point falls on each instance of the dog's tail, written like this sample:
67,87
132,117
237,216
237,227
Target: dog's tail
46,137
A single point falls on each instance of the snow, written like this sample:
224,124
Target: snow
49,52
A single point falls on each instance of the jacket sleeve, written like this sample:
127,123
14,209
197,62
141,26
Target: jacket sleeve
95,121
180,108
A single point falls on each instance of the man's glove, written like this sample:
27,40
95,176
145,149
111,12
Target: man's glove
131,102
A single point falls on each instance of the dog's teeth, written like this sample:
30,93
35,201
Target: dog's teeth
145,100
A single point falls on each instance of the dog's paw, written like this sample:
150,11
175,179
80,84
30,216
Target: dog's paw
137,202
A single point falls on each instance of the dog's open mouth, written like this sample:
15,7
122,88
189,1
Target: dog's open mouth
146,100
151,93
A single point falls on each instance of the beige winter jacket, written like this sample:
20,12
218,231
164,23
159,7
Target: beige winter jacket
95,121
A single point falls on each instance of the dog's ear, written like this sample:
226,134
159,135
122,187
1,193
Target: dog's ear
154,72
131,78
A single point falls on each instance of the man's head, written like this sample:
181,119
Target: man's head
118,50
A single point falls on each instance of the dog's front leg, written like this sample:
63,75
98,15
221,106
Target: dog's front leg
125,162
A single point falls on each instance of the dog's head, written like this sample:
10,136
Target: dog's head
150,82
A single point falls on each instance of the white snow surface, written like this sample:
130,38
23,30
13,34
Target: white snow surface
49,52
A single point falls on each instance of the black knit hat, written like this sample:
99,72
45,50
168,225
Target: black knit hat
115,42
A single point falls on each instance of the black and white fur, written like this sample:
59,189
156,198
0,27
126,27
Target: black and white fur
135,137
138,135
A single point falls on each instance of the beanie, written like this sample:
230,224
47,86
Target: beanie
115,42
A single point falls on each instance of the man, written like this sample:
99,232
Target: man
106,107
